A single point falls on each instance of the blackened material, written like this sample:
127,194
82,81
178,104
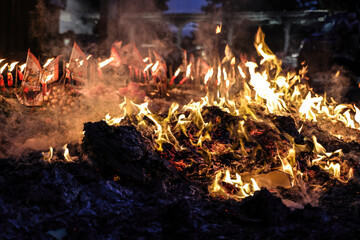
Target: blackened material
121,150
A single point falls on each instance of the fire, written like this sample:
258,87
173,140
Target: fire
308,106
177,72
333,169
147,67
47,156
277,93
188,70
155,66
3,68
106,62
241,72
12,66
208,75
48,62
218,28
243,189
66,153
187,74
265,90
48,78
22,67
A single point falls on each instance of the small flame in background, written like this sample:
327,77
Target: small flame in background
66,153
265,85
22,67
106,62
48,156
48,62
3,68
12,66
218,28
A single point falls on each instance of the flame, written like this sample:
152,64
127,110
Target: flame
243,189
48,62
263,89
3,68
66,153
241,72
1,60
218,76
188,70
318,148
47,156
146,59
22,67
333,169
88,57
208,75
12,66
81,62
263,85
105,62
155,66
218,28
48,78
177,72
147,67
308,106
286,167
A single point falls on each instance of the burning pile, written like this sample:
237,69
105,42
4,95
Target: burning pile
253,138
257,134
245,134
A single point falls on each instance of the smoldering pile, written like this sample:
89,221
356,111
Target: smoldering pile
117,185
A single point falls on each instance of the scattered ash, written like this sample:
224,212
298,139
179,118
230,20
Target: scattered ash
72,199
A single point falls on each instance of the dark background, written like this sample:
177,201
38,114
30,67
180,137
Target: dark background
34,24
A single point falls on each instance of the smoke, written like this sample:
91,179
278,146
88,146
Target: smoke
79,17
25,129
335,83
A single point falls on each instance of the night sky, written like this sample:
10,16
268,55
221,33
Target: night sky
185,5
